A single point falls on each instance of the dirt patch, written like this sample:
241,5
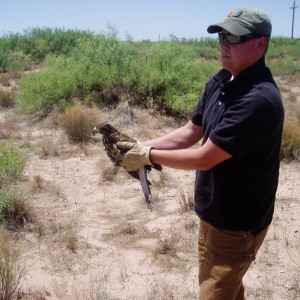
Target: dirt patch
95,238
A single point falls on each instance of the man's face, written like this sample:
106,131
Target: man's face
237,57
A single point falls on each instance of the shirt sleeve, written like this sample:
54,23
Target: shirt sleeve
197,115
245,123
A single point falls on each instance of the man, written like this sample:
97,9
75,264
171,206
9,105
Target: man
239,119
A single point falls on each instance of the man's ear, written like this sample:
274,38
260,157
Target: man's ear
262,43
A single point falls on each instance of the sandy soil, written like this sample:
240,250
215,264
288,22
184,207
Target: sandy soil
93,236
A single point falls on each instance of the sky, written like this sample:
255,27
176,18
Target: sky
140,19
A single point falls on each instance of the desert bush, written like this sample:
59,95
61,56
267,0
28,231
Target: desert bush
18,61
168,246
55,87
165,74
290,139
185,200
71,239
14,211
34,44
5,79
6,99
78,122
11,270
12,161
172,77
48,147
127,229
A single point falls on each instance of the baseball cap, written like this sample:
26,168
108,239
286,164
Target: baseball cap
242,21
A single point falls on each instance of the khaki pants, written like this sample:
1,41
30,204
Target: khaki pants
224,258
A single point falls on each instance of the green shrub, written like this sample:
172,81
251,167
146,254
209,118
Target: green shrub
12,208
169,75
12,161
18,61
172,76
36,43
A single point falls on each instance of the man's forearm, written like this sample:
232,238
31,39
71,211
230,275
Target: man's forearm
180,138
202,158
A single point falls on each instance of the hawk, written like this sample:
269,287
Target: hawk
110,137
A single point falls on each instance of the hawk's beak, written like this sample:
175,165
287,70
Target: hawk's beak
94,131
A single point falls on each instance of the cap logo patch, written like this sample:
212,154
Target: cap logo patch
235,13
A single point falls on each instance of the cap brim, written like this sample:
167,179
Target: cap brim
231,26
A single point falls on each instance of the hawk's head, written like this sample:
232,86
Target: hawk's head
104,128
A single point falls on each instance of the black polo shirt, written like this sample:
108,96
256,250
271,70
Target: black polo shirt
244,117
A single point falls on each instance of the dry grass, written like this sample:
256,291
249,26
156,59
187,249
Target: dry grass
9,129
6,99
162,291
127,228
109,173
185,200
47,147
71,239
78,122
168,246
15,211
12,272
123,115
5,79
290,139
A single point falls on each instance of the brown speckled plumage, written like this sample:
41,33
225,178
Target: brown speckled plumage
110,137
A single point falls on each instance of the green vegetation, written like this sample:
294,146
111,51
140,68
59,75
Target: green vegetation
12,161
168,75
20,51
77,67
283,56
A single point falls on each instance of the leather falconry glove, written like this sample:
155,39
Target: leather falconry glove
136,158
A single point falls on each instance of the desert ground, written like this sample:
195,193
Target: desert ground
93,237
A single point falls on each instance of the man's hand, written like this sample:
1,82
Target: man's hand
136,157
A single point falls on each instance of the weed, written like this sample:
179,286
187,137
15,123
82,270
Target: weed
71,239
167,246
128,228
185,200
37,183
12,161
78,122
46,148
11,270
5,79
162,291
107,172
14,210
6,99
290,139
161,179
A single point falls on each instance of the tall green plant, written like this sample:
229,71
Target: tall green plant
12,161
173,77
100,64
